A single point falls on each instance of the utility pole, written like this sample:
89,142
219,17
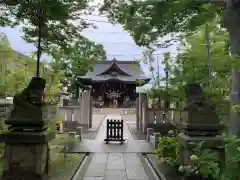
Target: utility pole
158,72
209,57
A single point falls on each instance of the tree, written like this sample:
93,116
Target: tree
17,71
55,29
6,60
49,25
77,62
148,20
191,65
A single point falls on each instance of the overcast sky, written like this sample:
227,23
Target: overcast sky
117,42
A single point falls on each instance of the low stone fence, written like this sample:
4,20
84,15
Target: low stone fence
160,120
71,117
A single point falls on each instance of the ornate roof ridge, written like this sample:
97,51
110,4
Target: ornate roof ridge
118,62
114,62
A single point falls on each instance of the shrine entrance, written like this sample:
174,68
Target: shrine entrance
114,83
115,95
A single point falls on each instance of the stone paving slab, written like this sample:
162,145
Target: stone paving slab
96,122
114,161
93,178
98,144
96,170
136,172
115,166
130,146
118,174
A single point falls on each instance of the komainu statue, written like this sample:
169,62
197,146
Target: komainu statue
196,98
200,113
28,108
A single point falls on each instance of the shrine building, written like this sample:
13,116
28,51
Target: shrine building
114,83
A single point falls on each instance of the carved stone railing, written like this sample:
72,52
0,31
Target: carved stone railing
164,115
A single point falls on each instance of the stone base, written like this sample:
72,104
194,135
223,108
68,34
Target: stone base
27,137
186,146
26,155
84,126
201,129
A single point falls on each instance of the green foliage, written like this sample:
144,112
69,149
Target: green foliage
77,61
55,123
55,17
7,57
59,24
71,142
210,163
3,128
17,70
63,166
148,20
168,150
206,162
231,169
191,66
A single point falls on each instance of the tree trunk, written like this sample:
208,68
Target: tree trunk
232,20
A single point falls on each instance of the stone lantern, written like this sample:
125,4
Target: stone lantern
26,153
200,123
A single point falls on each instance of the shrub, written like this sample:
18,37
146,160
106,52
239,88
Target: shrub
168,150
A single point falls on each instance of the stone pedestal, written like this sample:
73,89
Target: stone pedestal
186,146
26,155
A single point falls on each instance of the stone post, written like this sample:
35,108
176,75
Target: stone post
86,109
144,114
149,133
200,124
90,112
26,153
141,100
137,112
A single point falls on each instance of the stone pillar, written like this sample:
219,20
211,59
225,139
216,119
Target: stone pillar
26,153
141,103
149,133
144,114
86,109
140,110
90,112
137,113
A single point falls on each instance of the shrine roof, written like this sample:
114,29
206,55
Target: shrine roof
130,71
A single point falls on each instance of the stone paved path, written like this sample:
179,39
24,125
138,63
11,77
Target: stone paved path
116,166
89,133
98,145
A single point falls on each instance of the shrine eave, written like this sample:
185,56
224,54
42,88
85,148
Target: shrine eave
127,80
